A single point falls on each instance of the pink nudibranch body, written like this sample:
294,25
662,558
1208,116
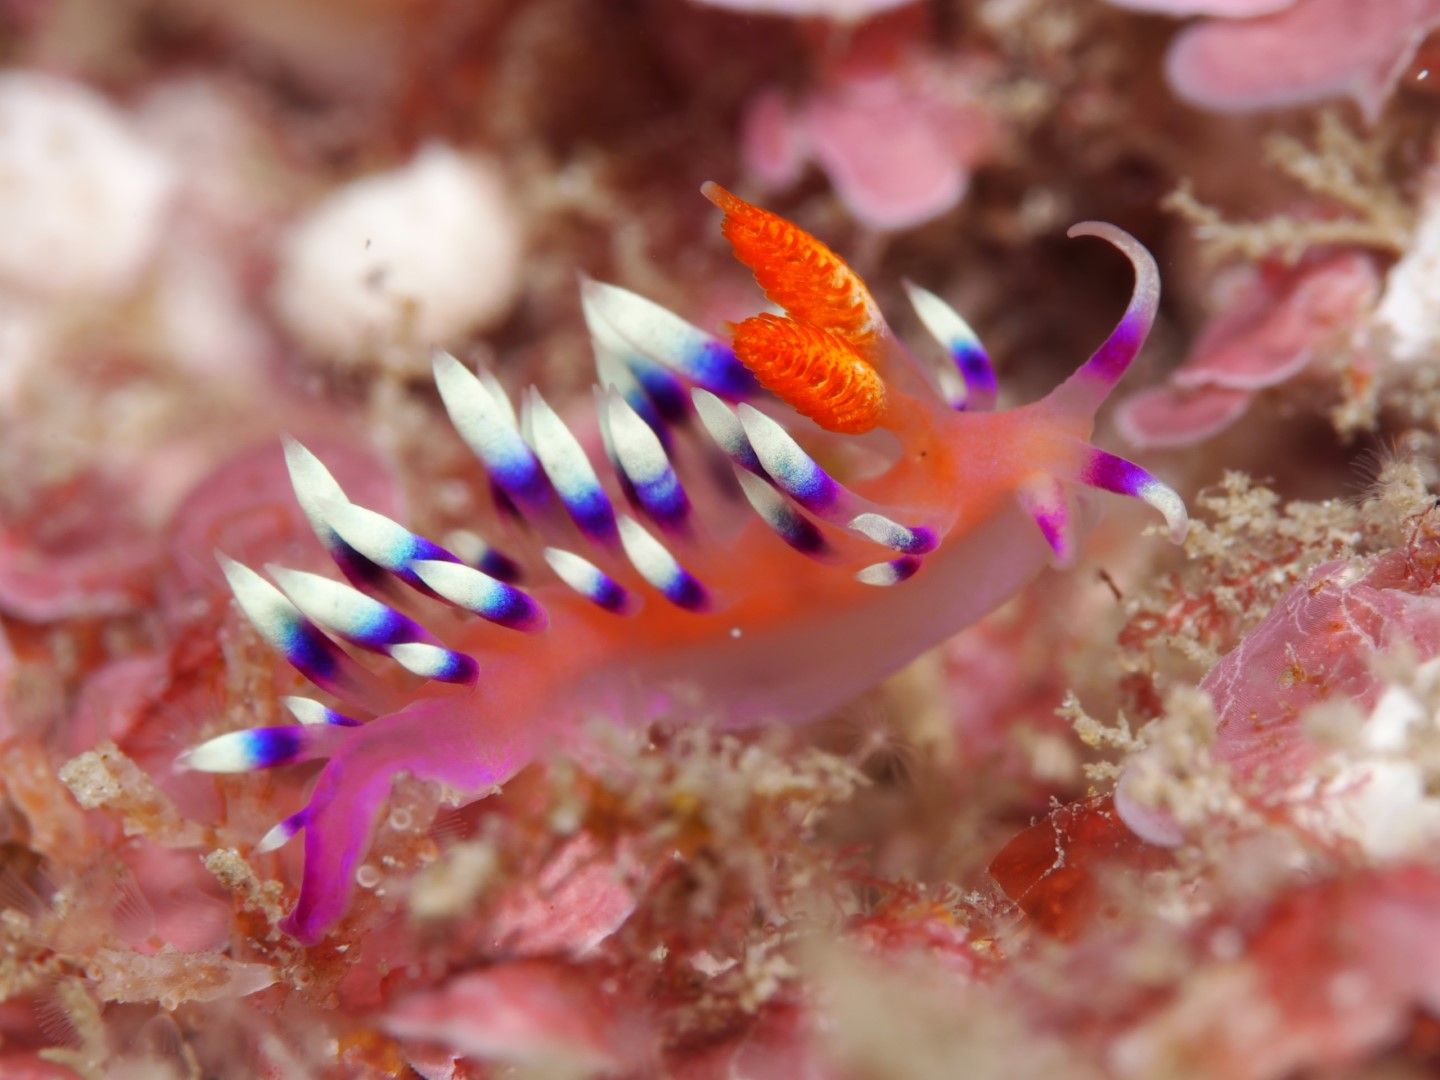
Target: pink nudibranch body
714,573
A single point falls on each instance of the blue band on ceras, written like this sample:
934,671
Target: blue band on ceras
481,594
486,423
793,527
346,612
474,550
657,566
569,470
615,374
976,386
662,336
725,429
282,833
284,628
888,532
589,581
889,573
648,388
384,542
242,751
435,662
309,711
791,469
641,461
663,387
314,486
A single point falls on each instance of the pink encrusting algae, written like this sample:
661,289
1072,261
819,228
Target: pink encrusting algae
738,619
1267,54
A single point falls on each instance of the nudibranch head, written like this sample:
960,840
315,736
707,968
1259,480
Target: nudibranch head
715,559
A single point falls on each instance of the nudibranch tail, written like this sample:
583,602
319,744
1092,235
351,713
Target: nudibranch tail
424,739
1085,391
813,371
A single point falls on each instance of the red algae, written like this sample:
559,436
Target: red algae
1053,869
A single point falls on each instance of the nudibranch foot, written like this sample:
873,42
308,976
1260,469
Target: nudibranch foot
718,563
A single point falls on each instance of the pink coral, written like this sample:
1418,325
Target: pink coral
1276,321
76,552
1264,54
897,130
527,1013
1318,645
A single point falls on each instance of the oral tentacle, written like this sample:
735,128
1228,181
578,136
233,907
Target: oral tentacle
1086,390
1100,469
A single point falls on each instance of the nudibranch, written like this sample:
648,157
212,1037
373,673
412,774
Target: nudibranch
783,521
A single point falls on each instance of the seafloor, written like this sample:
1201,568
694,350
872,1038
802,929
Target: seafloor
1170,811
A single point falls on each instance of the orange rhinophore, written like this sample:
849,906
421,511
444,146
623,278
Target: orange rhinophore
796,270
813,371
